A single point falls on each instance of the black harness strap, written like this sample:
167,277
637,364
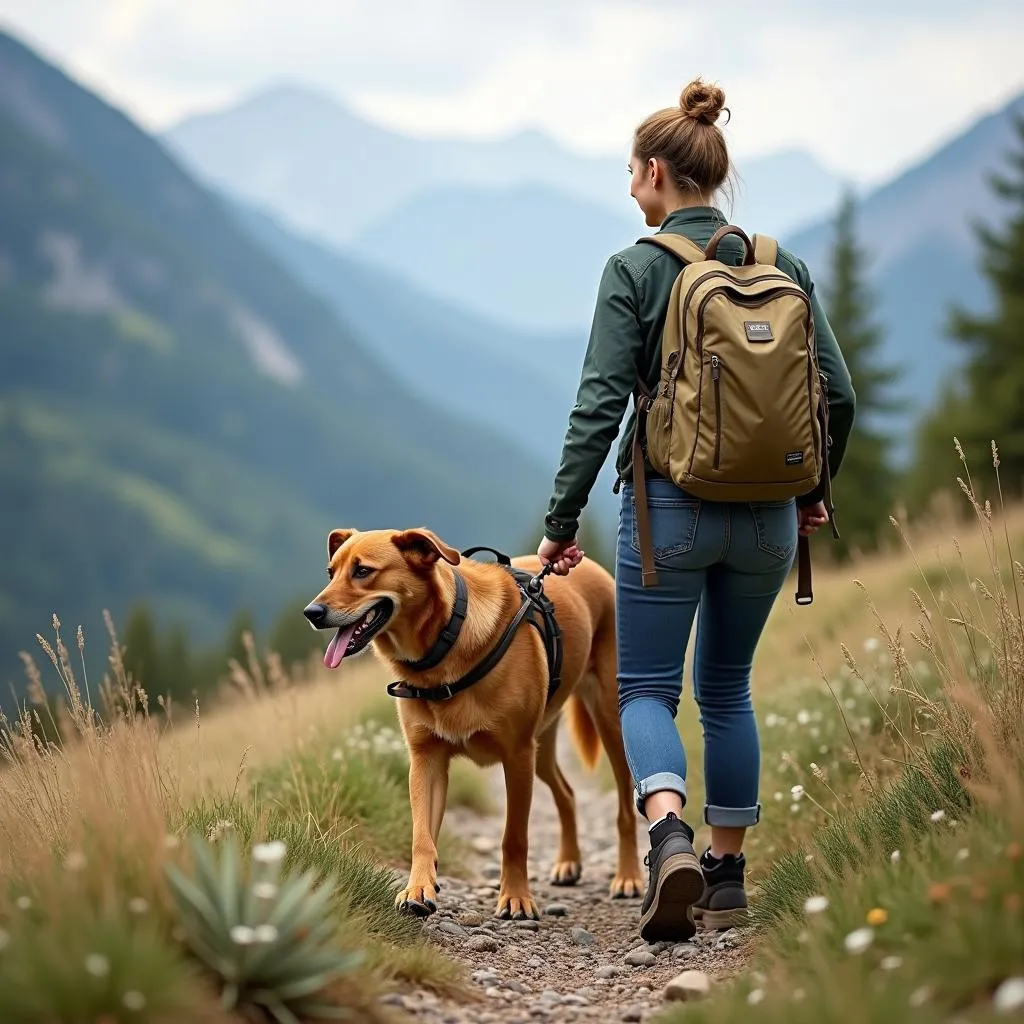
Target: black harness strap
535,607
446,641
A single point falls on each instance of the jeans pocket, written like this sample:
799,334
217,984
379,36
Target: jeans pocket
673,522
776,526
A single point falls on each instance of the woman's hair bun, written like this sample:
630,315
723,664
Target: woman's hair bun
701,101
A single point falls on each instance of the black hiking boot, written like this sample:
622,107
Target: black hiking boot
724,903
676,882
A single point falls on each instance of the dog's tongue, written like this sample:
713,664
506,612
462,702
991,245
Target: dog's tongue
337,647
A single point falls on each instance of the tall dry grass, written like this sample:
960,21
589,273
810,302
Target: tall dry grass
89,821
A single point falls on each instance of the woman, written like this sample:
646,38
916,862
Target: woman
729,559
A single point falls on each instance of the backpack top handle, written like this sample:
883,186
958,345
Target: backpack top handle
711,252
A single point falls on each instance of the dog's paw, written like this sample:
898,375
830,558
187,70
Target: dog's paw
419,901
516,908
626,888
566,872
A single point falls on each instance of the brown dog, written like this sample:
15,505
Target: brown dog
397,590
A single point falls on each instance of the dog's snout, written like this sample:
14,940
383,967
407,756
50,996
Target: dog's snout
316,613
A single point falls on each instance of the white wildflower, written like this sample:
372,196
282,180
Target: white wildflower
815,904
134,1000
23,902
803,717
871,644
138,905
242,935
891,963
920,996
815,732
797,791
779,797
264,890
963,854
755,996
856,942
771,720
269,853
895,856
337,754
938,815
265,933
97,965
808,858
794,808
1009,996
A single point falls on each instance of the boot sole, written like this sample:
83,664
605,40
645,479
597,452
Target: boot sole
680,885
719,920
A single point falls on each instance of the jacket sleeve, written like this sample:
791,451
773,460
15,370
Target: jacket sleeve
842,399
608,378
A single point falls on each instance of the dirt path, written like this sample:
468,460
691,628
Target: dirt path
572,964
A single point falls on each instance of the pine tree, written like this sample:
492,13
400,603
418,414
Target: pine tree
865,488
995,343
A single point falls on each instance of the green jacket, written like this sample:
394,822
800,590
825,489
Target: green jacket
626,337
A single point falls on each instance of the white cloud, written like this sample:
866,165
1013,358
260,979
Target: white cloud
866,88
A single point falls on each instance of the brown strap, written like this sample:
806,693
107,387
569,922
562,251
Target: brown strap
766,250
711,252
804,594
648,574
679,245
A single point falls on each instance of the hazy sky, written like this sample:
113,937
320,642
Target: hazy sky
867,87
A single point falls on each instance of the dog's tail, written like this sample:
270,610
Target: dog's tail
583,732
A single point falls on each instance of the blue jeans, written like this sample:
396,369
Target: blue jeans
730,559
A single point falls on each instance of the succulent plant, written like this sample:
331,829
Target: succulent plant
269,937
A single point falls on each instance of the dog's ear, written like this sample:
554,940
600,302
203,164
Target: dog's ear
424,547
336,538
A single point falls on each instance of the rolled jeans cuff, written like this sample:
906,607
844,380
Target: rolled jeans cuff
732,817
660,781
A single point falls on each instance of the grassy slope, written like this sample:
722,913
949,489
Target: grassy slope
947,923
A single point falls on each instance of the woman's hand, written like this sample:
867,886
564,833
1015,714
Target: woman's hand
563,555
811,518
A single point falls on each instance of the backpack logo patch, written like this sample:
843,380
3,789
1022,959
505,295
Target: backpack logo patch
758,330
794,458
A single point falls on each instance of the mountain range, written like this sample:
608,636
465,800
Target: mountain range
180,420
333,175
200,376
526,251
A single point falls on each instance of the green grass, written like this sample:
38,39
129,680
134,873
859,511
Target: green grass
75,964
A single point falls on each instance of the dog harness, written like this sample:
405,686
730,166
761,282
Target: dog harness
535,608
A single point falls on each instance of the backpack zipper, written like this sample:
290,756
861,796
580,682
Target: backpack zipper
725,287
715,361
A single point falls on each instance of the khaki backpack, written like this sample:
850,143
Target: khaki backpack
741,409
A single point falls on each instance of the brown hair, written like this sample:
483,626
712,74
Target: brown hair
687,139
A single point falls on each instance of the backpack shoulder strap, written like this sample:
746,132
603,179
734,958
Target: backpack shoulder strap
679,245
766,249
